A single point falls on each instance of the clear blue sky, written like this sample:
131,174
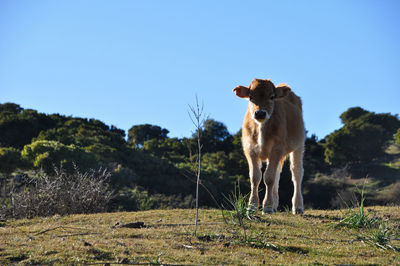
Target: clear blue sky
135,62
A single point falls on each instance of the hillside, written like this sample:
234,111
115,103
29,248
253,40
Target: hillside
166,238
150,170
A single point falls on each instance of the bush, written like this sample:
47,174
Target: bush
344,199
397,137
10,159
62,193
363,138
393,195
44,154
321,191
352,144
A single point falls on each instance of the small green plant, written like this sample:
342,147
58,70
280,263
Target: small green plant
238,205
379,237
379,234
258,241
157,260
357,217
210,237
287,210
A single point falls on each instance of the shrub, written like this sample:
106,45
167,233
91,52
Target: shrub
393,195
352,143
62,193
45,154
10,159
380,237
344,199
397,137
321,191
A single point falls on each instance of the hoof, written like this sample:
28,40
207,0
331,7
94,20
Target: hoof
298,211
268,211
251,209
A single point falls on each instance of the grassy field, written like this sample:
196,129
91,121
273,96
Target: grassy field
166,238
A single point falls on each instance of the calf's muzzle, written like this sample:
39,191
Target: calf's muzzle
260,114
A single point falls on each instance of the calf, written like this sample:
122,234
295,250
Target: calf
273,129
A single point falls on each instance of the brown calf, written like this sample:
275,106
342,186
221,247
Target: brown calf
273,128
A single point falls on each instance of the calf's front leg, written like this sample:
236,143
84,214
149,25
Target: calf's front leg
255,179
270,176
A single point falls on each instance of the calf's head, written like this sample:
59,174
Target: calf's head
262,94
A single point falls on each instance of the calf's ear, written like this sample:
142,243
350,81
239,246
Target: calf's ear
241,91
282,91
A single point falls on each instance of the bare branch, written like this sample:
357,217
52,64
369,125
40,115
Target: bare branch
196,115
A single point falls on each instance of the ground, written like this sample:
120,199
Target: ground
166,237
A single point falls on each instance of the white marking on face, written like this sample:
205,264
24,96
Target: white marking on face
261,127
260,140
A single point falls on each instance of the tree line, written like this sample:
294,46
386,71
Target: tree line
148,169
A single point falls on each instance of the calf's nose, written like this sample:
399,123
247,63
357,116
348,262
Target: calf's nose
260,114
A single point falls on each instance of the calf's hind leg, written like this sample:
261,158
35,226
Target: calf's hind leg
275,189
296,167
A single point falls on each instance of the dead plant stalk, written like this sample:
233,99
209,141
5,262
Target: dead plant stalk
196,115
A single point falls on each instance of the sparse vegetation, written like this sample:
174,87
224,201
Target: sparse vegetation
379,237
357,217
151,170
237,207
237,212
62,193
372,230
281,238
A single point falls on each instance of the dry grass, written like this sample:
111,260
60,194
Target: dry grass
280,238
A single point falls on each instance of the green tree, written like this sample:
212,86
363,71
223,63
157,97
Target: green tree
352,114
10,108
363,137
10,160
18,126
314,158
157,174
215,137
46,155
107,144
172,148
137,135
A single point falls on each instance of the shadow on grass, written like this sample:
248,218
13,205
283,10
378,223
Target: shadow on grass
256,243
16,258
99,254
321,217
